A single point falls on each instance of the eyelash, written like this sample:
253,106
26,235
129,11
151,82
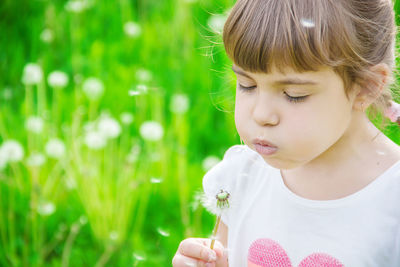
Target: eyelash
289,98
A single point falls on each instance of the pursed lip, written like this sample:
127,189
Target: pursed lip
263,143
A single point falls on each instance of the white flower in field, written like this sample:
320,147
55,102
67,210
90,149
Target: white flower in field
58,79
210,162
151,131
55,148
216,22
13,151
32,74
76,6
143,75
34,124
109,127
93,88
132,29
179,103
46,208
95,140
47,36
126,118
35,160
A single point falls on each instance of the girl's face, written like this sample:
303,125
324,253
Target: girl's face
291,118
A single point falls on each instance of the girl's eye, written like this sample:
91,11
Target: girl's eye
244,88
295,99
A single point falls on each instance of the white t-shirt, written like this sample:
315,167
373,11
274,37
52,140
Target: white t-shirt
269,225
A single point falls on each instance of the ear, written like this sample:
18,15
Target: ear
373,87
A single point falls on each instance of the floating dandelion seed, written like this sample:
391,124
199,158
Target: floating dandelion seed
307,23
138,256
163,232
216,22
154,180
210,162
144,75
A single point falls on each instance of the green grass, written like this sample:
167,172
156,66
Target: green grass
132,201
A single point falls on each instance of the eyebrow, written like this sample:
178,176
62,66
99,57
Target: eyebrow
288,81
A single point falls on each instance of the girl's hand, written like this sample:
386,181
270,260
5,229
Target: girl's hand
196,252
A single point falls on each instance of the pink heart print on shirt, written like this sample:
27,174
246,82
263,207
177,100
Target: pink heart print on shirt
267,253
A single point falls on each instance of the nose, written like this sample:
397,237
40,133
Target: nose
265,112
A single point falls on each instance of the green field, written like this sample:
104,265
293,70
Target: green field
111,113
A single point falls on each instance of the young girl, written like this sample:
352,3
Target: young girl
315,183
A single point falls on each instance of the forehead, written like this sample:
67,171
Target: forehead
290,76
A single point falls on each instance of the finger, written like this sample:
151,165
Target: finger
182,261
196,249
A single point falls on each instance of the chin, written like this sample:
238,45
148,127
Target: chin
280,164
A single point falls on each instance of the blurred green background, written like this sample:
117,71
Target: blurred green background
111,113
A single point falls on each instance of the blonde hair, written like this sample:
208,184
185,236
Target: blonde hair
348,35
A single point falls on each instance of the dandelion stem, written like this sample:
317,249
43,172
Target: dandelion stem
105,256
68,244
215,232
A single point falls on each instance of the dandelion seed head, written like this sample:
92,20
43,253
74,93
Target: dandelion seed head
93,88
46,208
55,148
12,150
35,159
58,79
307,23
179,103
109,127
47,36
209,162
151,131
34,124
132,29
126,118
216,22
32,74
95,140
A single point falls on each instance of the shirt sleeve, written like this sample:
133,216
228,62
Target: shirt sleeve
225,176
